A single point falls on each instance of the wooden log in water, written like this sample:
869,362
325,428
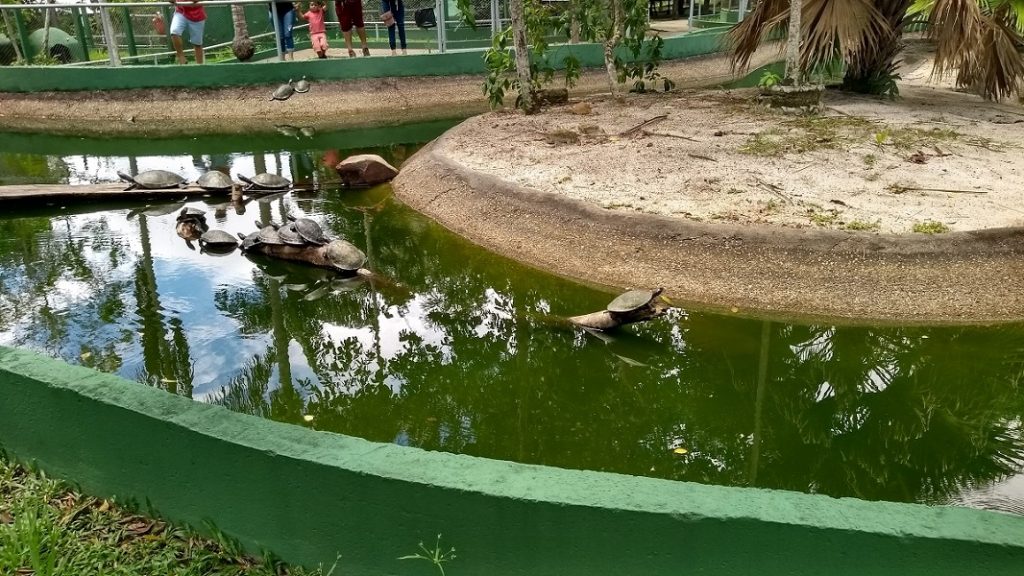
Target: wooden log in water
107,191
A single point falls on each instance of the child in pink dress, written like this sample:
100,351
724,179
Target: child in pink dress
317,29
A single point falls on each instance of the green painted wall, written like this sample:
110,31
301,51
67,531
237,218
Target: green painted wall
44,78
309,495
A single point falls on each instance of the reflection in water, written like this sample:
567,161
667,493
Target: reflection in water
461,352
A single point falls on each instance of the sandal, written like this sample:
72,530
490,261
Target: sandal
351,53
366,51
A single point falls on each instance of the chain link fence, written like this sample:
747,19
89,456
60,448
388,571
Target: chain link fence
47,32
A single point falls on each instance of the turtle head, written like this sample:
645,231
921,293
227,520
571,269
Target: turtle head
125,177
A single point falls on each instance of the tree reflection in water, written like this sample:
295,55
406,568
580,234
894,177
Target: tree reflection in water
457,352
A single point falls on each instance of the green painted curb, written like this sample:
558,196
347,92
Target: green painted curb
309,496
47,78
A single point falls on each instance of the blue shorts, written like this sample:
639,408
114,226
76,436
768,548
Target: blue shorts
195,29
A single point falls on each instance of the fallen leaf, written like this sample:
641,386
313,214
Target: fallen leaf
104,506
85,356
308,417
734,309
681,451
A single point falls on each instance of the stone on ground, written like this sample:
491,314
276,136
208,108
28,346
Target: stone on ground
365,170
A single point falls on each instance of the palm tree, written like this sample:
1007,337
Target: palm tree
518,13
242,46
793,70
980,39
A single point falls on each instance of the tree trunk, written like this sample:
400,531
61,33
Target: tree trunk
793,75
46,30
874,71
518,15
611,43
605,320
11,34
242,46
574,21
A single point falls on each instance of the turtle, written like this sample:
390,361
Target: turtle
308,131
265,181
344,256
215,181
153,180
290,236
310,231
189,213
217,242
632,301
251,241
302,86
284,91
268,235
288,130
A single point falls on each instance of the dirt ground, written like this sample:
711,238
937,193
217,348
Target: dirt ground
328,105
934,159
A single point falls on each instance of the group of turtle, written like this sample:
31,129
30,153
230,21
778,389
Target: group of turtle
300,233
212,181
285,91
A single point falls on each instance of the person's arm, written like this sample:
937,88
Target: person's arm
299,12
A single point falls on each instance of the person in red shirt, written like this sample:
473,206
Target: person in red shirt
350,13
194,18
317,29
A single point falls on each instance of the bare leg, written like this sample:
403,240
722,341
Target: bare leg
176,40
362,39
199,54
348,43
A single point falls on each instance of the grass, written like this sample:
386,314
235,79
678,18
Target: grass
862,226
48,529
930,227
823,218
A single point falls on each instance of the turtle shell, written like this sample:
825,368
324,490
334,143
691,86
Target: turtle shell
345,256
218,239
283,92
215,181
632,300
302,86
310,231
269,235
191,214
267,181
156,179
290,236
251,241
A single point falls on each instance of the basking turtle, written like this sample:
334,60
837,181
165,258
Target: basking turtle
632,301
153,180
215,181
288,130
284,91
251,241
266,181
344,256
290,236
302,86
310,231
217,242
269,235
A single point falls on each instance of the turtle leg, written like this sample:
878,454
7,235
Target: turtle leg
131,186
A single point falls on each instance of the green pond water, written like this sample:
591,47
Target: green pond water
460,350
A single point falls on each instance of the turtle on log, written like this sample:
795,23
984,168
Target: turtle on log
627,308
153,180
265,182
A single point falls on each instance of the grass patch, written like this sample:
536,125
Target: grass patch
930,227
862,226
870,160
824,218
48,529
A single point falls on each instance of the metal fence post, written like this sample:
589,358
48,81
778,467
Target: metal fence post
108,37
26,48
277,32
439,9
76,15
132,48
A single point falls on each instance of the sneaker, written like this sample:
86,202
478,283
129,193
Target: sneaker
366,51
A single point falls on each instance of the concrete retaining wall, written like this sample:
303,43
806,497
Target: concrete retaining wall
309,496
49,78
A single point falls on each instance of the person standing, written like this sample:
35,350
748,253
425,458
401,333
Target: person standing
194,18
285,14
397,9
350,14
317,29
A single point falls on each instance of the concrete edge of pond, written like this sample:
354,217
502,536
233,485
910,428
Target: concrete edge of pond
309,496
856,277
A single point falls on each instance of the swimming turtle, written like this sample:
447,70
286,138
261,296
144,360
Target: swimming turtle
284,91
289,235
215,181
153,180
265,181
310,231
189,213
344,256
302,86
217,242
632,301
